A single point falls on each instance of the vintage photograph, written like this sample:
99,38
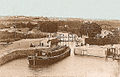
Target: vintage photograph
59,38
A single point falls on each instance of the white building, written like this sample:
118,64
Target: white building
66,36
105,33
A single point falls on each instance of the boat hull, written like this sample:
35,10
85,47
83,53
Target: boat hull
36,61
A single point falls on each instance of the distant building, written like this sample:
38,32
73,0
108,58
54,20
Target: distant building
80,41
105,33
66,36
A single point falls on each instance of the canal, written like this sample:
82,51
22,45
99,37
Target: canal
72,66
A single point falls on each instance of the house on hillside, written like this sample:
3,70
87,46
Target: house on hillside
105,33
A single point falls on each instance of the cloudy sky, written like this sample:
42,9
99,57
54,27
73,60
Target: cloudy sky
92,9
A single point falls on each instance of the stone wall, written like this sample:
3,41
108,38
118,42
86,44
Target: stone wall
95,51
15,54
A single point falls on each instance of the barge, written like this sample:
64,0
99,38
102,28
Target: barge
48,56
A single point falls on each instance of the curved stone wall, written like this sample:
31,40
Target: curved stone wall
15,54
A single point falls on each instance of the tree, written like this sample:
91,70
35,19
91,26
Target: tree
92,29
48,26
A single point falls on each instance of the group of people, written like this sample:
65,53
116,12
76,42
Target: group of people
33,45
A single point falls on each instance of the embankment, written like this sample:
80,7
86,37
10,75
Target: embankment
15,54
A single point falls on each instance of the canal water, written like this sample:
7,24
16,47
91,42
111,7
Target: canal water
72,66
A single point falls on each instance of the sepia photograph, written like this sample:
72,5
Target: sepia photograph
59,38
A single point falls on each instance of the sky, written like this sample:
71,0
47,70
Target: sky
87,9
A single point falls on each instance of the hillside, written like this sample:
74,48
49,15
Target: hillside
8,21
